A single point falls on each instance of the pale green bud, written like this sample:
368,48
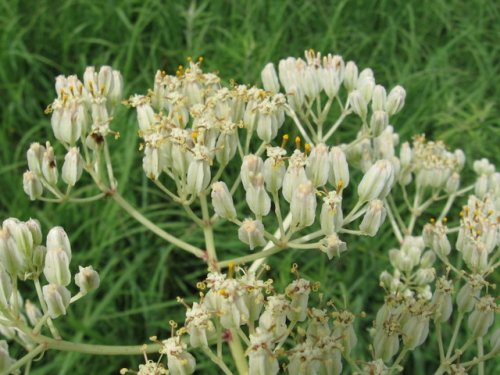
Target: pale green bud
377,181
57,298
379,98
34,156
5,288
145,116
115,94
373,218
32,186
358,103
49,166
318,165
379,122
395,100
415,331
38,262
270,78
257,197
198,176
481,319
385,343
467,296
405,155
151,162
87,279
298,291
226,147
222,201
58,239
10,256
453,183
273,171
5,360
36,231
73,167
251,166
350,76
56,268
32,312
261,359
251,232
303,205
21,235
331,216
339,172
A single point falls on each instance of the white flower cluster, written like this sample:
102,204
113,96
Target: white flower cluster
81,112
241,301
23,257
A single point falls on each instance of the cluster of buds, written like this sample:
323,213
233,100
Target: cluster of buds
433,166
24,257
304,80
190,121
479,233
413,272
43,172
81,113
488,180
241,300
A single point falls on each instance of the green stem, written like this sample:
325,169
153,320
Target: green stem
109,166
218,361
251,257
26,359
238,353
277,209
454,336
400,357
208,232
155,229
480,353
440,340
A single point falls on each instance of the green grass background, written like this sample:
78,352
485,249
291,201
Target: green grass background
445,53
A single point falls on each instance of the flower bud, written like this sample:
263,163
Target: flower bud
251,165
467,296
32,312
428,259
303,205
339,172
374,218
87,279
379,122
49,166
198,176
395,100
481,186
151,162
58,239
38,261
34,156
72,167
415,331
350,76
386,341
377,181
298,291
145,116
274,169
331,216
270,78
318,165
441,300
36,231
358,103
405,155
495,341
332,245
453,183
32,186
56,268
57,298
10,256
226,147
261,359
379,98
256,196
481,319
251,232
116,93
5,288
222,200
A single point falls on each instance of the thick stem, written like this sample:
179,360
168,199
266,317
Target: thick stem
155,229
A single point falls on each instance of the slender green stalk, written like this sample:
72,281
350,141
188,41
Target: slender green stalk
251,257
276,200
439,340
109,166
238,353
208,232
454,336
480,353
217,360
155,229
26,359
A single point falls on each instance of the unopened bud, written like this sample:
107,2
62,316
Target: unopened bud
72,167
318,165
453,183
303,205
298,291
57,298
379,98
222,201
374,218
56,268
251,165
49,166
339,172
58,239
270,78
257,197
377,181
32,186
5,288
34,156
395,100
358,103
481,319
10,256
87,279
379,122
350,76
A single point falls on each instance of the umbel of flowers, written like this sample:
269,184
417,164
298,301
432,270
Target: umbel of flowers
299,193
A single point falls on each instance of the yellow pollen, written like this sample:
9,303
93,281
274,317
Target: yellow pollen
297,142
307,148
